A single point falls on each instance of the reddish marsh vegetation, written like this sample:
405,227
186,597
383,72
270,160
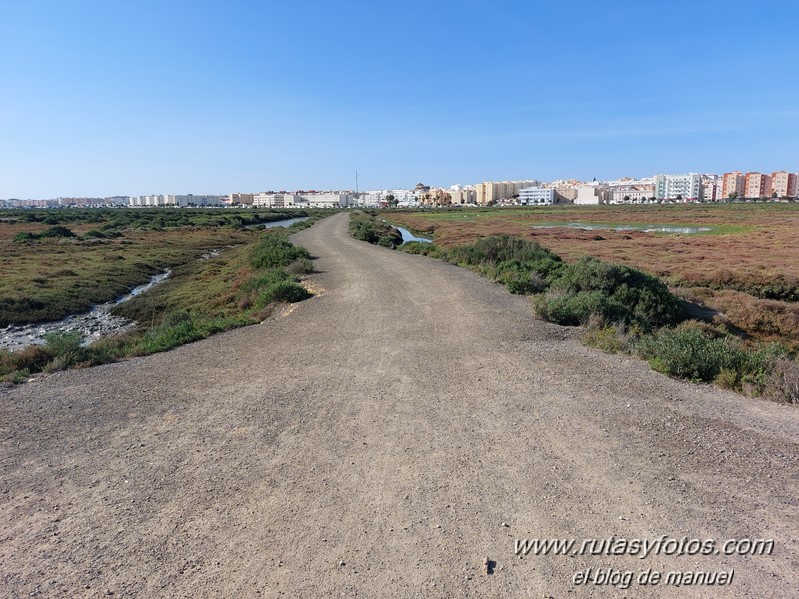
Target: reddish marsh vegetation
746,267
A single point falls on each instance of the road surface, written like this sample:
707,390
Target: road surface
383,439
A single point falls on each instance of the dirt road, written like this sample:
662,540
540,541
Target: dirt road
381,440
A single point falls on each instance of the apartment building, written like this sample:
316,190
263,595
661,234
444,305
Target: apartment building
327,199
711,188
757,185
276,200
492,192
436,196
678,187
245,199
486,193
732,185
537,196
463,197
636,193
591,194
784,184
565,193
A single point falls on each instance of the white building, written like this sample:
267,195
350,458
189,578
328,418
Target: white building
679,187
405,197
328,199
711,188
536,196
370,199
632,192
176,200
589,194
377,197
277,200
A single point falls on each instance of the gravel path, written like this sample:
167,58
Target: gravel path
381,440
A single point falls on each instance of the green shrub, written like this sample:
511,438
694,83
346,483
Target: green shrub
365,227
266,279
502,248
8,363
15,376
176,329
64,348
523,279
573,309
609,339
300,266
282,291
727,378
57,231
275,251
521,264
688,352
616,293
25,237
31,359
421,247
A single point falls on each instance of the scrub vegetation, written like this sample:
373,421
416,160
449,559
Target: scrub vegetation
744,271
61,262
366,227
240,286
625,309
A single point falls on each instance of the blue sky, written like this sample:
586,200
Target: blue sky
105,98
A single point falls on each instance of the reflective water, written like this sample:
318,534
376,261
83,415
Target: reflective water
408,236
677,229
279,223
92,325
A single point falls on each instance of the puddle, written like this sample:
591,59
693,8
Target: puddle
671,229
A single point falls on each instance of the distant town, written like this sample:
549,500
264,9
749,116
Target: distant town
691,187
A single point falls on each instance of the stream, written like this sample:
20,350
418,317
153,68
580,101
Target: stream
92,325
99,322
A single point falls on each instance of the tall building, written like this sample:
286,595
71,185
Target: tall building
678,187
757,185
494,191
486,193
461,197
732,185
783,184
711,188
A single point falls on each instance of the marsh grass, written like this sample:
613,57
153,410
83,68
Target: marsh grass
106,253
626,310
201,298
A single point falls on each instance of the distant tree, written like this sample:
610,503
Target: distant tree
774,195
626,198
392,201
679,196
733,195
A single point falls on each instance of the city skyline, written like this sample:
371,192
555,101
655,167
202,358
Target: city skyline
102,100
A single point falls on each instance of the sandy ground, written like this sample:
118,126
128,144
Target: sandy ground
381,440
